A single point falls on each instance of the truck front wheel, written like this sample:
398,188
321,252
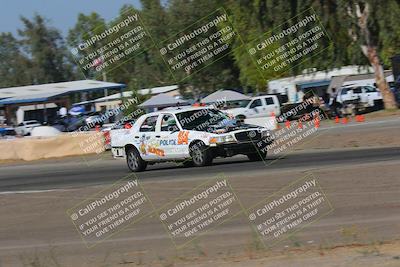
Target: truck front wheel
135,161
201,154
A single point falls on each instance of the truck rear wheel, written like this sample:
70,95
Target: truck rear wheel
201,154
135,161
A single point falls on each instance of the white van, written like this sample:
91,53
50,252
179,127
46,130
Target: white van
260,106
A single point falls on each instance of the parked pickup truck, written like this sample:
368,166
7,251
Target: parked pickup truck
353,99
194,136
367,95
260,106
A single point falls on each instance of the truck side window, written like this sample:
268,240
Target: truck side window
357,90
256,103
370,89
149,124
168,123
269,100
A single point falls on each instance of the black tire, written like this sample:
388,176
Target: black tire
378,105
256,156
201,154
134,160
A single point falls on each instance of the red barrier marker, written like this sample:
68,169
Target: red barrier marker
287,124
316,122
276,123
300,125
337,119
360,118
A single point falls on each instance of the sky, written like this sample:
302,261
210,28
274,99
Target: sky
62,14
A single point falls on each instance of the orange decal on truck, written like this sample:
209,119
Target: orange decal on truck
183,137
157,151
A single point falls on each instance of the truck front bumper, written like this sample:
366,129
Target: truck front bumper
231,149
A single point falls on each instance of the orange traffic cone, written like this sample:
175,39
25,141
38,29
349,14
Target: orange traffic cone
316,122
360,118
276,122
287,124
97,128
300,125
337,119
345,120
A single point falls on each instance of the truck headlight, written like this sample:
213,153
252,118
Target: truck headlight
222,139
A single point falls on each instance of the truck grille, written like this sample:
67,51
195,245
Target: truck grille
248,136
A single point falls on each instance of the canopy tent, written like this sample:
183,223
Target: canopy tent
128,94
162,101
224,96
60,94
46,92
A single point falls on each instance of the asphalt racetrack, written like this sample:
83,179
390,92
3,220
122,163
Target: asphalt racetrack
59,174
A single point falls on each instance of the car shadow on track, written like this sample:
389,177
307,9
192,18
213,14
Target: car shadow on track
218,165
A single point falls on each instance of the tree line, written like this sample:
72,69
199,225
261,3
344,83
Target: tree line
362,32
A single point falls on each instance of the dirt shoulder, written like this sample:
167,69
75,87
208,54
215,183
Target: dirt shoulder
386,114
357,255
373,132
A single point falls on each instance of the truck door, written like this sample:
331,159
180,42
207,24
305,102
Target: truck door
146,139
170,137
255,109
272,106
372,94
358,94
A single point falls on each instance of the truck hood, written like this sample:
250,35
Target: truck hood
236,111
229,126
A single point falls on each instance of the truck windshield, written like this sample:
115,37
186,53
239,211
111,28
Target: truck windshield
201,119
244,103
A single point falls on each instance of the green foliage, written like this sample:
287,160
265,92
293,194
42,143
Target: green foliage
39,56
46,49
86,26
13,64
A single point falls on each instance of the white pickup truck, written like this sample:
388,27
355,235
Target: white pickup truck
192,135
260,106
367,95
353,99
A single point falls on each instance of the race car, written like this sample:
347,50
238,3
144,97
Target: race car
194,136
